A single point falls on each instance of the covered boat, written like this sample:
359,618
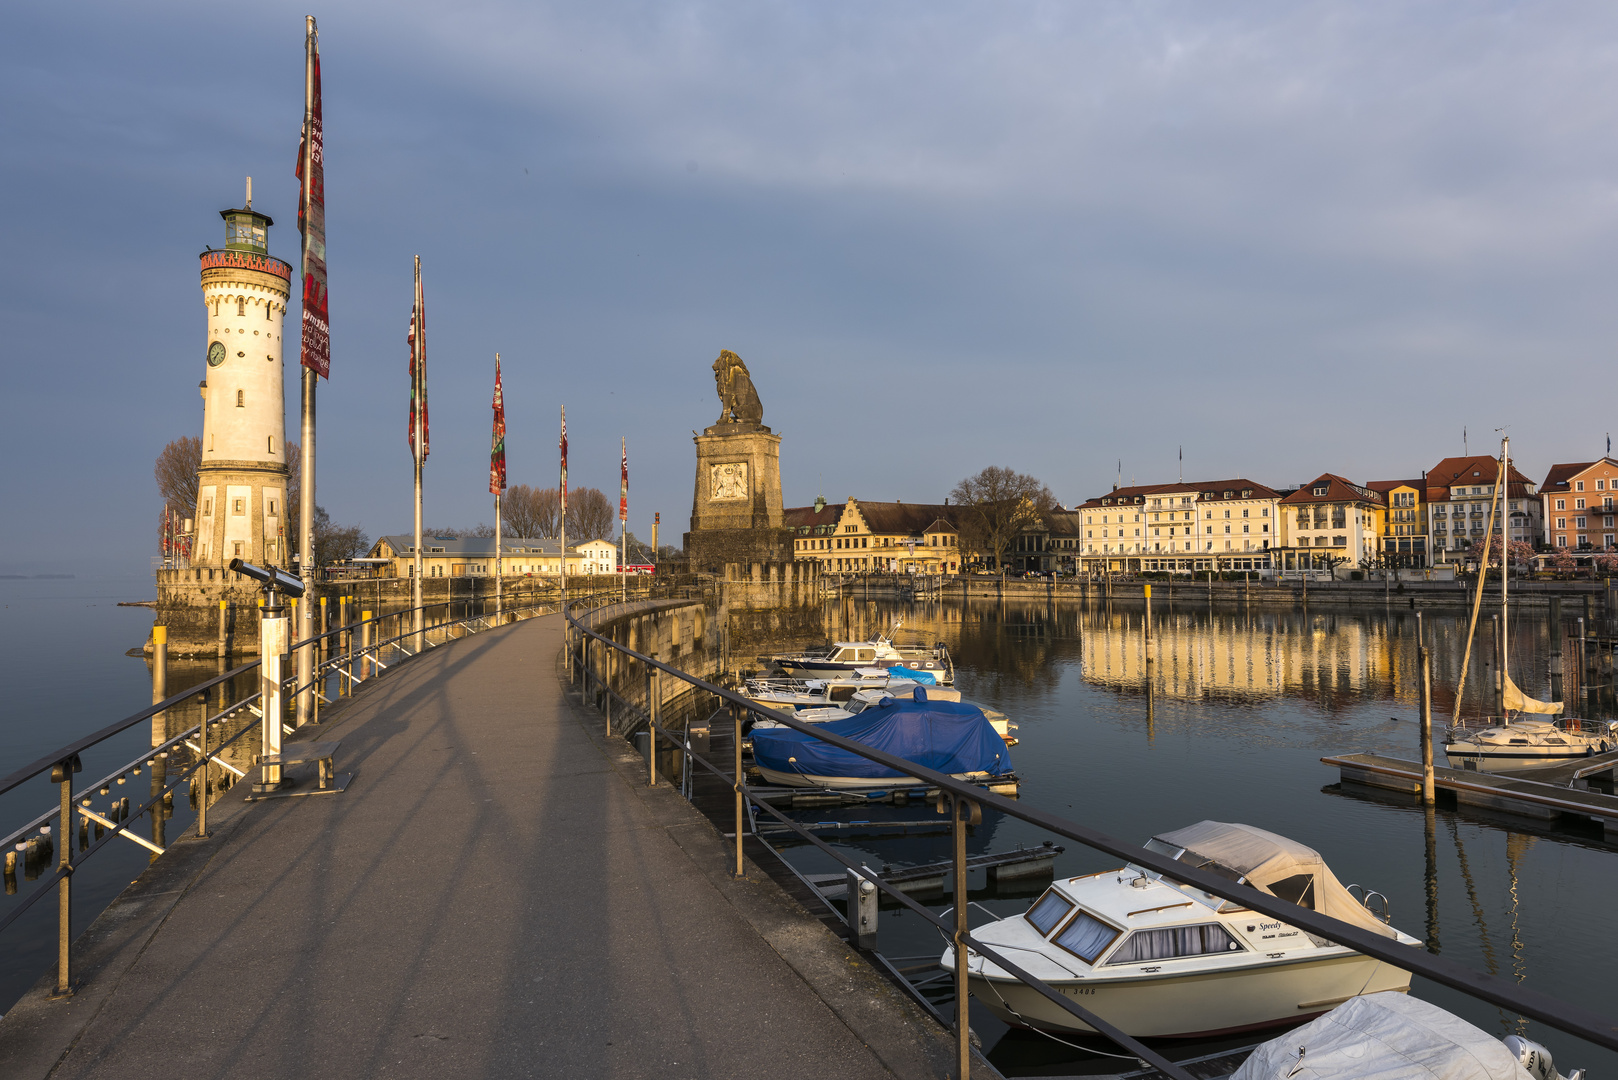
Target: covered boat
951,737
1395,1037
1158,958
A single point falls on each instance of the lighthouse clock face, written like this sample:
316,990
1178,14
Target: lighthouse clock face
216,354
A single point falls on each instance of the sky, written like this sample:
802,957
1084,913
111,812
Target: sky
1067,238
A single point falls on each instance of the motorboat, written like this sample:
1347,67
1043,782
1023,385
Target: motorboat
787,694
1505,743
950,737
812,707
1158,958
1394,1036
846,656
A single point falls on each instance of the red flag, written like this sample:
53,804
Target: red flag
497,444
418,371
623,484
563,445
316,353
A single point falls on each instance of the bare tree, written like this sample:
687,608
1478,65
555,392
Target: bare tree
176,474
589,515
334,543
530,511
996,505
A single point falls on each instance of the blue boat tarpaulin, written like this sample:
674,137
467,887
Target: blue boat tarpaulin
926,678
950,736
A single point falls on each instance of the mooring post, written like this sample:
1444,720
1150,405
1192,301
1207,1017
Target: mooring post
862,906
736,748
223,611
62,774
1426,661
1555,658
160,679
365,647
1148,592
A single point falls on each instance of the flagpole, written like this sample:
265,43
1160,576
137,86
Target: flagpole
497,480
306,428
563,519
416,388
623,526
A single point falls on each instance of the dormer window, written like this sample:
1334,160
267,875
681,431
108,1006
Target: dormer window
1247,493
1320,492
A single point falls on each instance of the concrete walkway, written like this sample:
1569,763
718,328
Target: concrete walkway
497,894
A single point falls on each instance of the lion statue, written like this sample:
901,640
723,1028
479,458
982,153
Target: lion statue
739,401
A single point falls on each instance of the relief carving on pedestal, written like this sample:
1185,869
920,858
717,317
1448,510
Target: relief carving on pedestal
728,480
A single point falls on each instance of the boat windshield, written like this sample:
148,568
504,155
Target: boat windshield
1191,858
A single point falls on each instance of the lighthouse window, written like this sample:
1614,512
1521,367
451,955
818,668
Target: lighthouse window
240,403
238,506
241,305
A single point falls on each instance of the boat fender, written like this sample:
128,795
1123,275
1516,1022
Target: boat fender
920,694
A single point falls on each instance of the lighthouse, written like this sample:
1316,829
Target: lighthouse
242,481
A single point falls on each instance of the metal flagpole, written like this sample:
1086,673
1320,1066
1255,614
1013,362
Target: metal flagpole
306,429
497,484
563,520
418,380
623,524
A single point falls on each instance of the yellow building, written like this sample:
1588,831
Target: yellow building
1403,542
473,556
1182,528
894,537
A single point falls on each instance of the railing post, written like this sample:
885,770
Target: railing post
365,645
736,744
964,812
62,773
202,770
651,726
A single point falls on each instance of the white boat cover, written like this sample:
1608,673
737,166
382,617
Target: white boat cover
1515,700
1264,859
1385,1036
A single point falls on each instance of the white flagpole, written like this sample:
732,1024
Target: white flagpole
499,608
623,535
563,523
306,430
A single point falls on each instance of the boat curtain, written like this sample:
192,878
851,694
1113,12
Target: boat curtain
1517,701
1173,941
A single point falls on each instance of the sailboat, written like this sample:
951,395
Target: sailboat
1511,743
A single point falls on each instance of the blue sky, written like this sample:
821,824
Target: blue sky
1290,237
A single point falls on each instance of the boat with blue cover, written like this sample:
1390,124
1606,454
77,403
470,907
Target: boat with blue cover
951,737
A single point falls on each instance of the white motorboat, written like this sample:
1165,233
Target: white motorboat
1504,744
1158,958
841,657
1397,1037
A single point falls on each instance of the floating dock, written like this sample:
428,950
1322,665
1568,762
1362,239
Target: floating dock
1543,794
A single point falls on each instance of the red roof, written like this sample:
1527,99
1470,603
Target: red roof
1463,470
799,516
1125,496
1338,489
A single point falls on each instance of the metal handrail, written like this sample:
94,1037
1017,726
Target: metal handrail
1572,1019
120,824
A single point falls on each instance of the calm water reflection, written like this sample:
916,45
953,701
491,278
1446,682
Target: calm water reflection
1231,726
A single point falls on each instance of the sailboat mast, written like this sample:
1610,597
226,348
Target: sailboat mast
1505,566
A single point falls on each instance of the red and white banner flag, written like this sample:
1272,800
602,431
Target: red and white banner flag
418,371
623,484
311,170
497,442
563,445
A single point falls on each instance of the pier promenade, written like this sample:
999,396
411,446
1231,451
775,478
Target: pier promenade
496,894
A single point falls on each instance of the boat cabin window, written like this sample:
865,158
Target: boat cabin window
864,656
1051,909
1298,889
844,654
1085,937
1172,942
843,693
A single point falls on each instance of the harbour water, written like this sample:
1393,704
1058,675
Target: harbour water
1231,726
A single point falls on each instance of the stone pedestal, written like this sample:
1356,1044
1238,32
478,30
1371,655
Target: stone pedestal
736,508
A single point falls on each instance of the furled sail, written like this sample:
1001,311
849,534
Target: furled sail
1517,701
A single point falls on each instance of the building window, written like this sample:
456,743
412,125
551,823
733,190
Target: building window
1561,541
238,549
238,506
1578,522
272,507
240,402
1578,504
1578,485
241,305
